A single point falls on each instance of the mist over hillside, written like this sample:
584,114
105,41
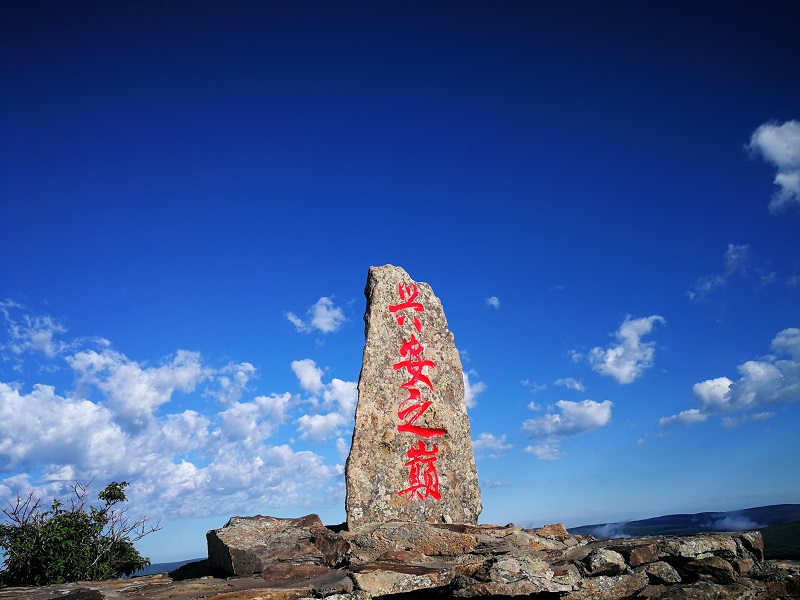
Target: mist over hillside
679,524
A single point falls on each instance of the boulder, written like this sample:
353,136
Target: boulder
710,568
411,456
662,572
247,545
384,578
610,587
602,561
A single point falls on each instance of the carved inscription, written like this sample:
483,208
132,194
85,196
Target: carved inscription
423,479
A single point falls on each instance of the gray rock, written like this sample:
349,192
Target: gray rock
610,588
602,561
411,458
697,546
710,568
371,541
662,572
384,578
714,591
248,545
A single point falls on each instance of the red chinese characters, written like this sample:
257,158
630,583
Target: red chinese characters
423,479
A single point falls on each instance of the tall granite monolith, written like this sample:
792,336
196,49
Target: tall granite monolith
411,458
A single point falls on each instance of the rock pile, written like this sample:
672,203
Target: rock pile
448,560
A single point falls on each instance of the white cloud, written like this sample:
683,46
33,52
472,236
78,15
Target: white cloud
316,428
338,396
732,422
251,423
571,384
342,394
299,324
765,382
67,430
232,380
493,301
119,424
342,449
735,261
712,392
575,417
687,417
323,316
487,442
309,375
788,342
535,388
132,393
471,390
780,146
628,359
31,333
761,383
545,451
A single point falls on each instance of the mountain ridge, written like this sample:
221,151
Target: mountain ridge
759,517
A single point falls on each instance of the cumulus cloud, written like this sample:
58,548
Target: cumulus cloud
535,388
771,380
489,443
323,316
738,421
545,450
341,397
627,360
574,418
309,374
493,301
687,417
779,145
134,393
125,420
30,332
571,384
232,380
251,423
338,397
735,261
471,390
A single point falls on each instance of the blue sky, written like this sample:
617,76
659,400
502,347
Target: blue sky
605,197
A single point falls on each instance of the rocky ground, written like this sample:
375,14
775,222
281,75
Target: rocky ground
263,558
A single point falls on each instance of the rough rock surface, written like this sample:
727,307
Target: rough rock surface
411,458
443,561
247,545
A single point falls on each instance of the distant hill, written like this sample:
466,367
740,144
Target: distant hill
157,568
782,541
779,523
680,524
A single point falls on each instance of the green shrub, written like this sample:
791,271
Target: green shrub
60,545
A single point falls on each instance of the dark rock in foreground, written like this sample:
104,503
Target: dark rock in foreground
290,559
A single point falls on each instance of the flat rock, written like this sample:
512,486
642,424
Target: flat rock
248,545
385,578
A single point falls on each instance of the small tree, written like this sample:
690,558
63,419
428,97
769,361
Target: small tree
61,545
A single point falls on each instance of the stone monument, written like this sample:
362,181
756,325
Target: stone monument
411,458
